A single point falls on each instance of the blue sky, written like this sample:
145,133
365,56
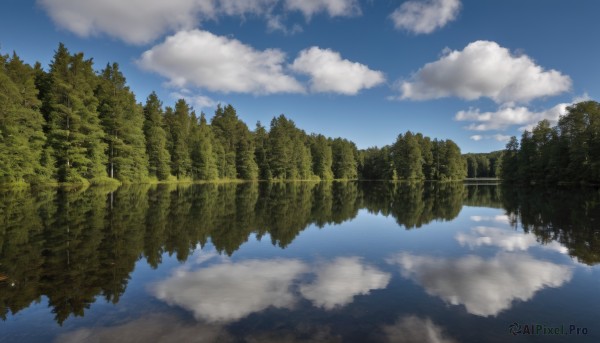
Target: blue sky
473,71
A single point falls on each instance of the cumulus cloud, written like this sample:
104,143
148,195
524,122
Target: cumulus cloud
335,8
197,100
412,329
339,281
133,21
504,239
201,59
425,16
231,291
330,73
484,69
484,287
143,21
509,116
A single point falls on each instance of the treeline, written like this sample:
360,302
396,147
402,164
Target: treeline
484,165
71,124
413,157
566,153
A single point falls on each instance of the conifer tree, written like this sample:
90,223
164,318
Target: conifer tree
21,123
122,119
260,152
204,165
156,139
73,128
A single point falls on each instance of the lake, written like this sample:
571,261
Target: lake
300,262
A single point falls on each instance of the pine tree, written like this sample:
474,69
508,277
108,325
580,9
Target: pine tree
178,123
246,166
344,161
156,139
204,165
123,121
407,157
260,152
74,131
281,149
322,157
21,123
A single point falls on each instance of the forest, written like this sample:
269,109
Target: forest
568,152
72,124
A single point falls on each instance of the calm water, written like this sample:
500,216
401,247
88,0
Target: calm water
300,262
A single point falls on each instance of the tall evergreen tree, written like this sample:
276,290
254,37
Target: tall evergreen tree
261,138
156,139
344,161
322,157
246,166
74,130
178,123
21,123
123,120
225,124
204,164
407,157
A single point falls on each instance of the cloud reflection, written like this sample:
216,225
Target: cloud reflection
159,328
504,239
231,291
339,281
484,286
412,329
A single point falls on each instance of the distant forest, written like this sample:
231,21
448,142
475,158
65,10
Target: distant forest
566,153
71,124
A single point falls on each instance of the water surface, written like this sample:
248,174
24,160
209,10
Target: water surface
300,262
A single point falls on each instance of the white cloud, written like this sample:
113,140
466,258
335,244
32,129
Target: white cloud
335,8
476,137
204,60
143,21
484,69
330,73
231,291
196,100
241,8
506,117
339,281
133,21
484,287
504,239
425,16
412,329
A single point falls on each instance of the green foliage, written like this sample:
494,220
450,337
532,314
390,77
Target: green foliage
21,124
75,126
156,139
75,135
568,152
344,159
483,165
178,124
122,119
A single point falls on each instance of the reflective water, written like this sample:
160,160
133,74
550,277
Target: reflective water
300,262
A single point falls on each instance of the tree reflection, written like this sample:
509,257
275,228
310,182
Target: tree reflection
568,216
74,246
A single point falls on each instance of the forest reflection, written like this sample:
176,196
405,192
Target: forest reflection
73,246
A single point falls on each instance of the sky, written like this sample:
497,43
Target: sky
473,71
